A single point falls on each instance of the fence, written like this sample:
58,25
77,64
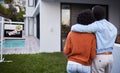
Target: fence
7,27
1,38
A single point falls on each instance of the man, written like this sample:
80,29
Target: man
106,34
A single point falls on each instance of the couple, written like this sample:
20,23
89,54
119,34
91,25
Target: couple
91,51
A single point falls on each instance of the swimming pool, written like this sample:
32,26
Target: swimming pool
14,43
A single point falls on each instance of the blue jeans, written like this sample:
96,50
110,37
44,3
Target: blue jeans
73,67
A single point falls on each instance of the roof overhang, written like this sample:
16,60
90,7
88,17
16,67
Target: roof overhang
35,11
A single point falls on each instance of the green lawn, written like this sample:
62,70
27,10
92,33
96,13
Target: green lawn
34,63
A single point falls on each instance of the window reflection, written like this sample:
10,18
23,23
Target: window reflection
66,15
65,23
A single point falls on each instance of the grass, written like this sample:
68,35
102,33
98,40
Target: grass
34,63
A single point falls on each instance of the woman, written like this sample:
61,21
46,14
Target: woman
80,47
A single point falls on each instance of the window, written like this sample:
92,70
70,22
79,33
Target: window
31,3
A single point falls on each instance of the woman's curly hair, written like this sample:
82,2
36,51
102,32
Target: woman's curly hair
85,17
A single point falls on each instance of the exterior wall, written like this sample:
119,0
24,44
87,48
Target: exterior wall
50,26
50,21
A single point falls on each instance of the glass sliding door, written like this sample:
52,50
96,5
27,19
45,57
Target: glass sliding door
65,22
69,13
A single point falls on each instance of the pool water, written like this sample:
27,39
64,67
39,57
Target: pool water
14,43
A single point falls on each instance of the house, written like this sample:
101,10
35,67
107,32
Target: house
44,19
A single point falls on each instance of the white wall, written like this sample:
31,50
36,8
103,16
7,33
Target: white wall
49,27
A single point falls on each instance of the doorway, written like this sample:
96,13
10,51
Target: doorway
38,26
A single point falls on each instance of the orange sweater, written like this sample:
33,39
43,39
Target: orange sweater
80,47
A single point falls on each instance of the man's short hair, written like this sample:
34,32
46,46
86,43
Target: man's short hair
99,12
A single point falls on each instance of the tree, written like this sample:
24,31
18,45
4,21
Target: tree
18,16
5,12
8,1
11,12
